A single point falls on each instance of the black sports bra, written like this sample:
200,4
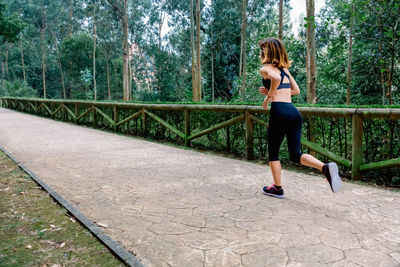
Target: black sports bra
267,82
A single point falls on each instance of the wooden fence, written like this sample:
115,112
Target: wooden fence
245,114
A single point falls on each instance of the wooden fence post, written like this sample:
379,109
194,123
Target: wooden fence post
94,117
76,114
357,146
115,117
64,112
51,109
187,127
249,136
144,123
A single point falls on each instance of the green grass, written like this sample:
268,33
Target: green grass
36,231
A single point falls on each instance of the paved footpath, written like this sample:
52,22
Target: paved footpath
176,207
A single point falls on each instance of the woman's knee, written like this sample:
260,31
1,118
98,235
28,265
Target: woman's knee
295,157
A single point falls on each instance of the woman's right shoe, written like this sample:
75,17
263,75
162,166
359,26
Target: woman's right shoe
273,192
331,172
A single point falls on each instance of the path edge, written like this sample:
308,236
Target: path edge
118,250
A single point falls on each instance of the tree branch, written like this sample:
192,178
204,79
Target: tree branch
117,7
377,40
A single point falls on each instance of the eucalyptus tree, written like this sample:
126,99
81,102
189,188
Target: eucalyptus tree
263,22
94,49
181,46
350,54
248,15
35,17
108,40
280,34
10,25
242,62
76,57
193,50
120,7
374,48
386,29
223,48
197,95
311,54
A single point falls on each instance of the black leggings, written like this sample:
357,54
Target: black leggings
284,119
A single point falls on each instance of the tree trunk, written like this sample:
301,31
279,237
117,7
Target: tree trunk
198,59
7,71
242,68
22,60
2,73
160,24
393,55
125,67
212,76
382,74
43,61
94,51
350,56
243,36
130,69
390,77
280,19
311,68
192,47
108,78
244,76
60,65
71,2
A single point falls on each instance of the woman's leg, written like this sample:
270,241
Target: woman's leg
276,172
275,138
310,161
294,145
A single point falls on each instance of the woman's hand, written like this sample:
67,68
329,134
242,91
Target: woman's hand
263,91
266,101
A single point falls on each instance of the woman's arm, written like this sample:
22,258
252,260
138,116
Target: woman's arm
294,88
267,72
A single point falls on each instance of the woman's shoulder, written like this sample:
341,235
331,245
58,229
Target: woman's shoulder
267,68
269,71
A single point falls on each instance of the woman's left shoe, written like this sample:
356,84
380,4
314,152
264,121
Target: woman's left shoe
273,192
331,172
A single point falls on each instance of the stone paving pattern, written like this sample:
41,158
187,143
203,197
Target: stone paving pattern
175,207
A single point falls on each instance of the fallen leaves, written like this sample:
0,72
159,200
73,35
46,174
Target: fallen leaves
51,243
28,246
102,224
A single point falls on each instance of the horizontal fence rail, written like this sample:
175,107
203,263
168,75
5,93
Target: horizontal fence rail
115,115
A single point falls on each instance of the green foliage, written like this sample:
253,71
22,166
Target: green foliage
16,89
76,58
10,25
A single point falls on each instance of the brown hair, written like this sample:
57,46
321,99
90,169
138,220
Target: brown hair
273,52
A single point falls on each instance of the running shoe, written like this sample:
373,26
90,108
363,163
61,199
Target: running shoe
273,192
331,172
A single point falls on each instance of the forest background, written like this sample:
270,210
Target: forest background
117,49
207,52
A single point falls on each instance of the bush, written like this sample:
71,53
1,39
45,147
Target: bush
17,88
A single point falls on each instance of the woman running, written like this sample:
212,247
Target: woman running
284,118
